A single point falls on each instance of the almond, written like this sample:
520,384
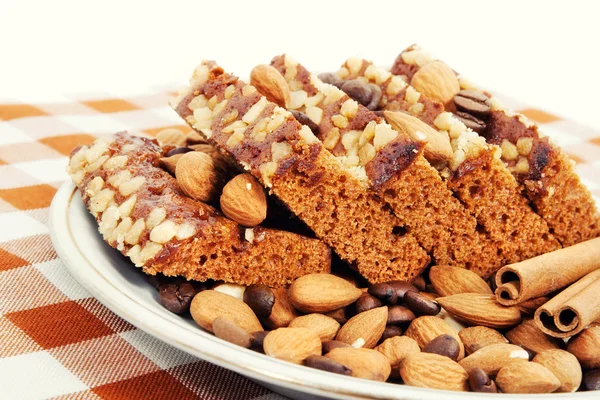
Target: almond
586,347
368,325
228,330
325,327
438,146
292,344
193,138
244,200
433,371
199,177
271,84
210,304
322,293
396,349
437,81
424,329
530,337
493,357
477,337
171,136
564,366
364,363
449,281
480,309
526,377
282,312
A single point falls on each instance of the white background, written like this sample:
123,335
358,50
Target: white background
542,52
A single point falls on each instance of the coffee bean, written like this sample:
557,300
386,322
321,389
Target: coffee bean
341,315
470,121
390,331
304,120
329,345
420,283
327,364
257,339
591,380
444,345
260,298
367,302
420,304
399,315
330,77
228,330
376,97
384,292
178,150
177,296
473,102
401,287
359,91
159,279
479,381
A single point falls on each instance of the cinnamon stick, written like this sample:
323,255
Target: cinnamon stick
572,310
547,273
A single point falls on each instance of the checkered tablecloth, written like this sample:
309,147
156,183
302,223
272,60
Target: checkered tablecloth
58,341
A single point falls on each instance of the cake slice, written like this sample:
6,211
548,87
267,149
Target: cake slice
545,173
287,158
142,212
474,173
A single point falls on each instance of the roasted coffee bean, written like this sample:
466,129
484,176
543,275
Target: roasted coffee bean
228,330
401,287
257,339
327,364
420,283
444,345
358,90
367,302
304,120
390,331
376,97
473,102
470,121
178,150
329,345
260,298
591,380
399,315
420,304
330,77
176,297
159,279
479,381
384,292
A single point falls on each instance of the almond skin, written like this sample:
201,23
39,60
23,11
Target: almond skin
292,344
396,349
271,84
564,366
480,309
437,81
493,357
586,347
526,377
210,304
433,371
477,337
321,293
449,281
364,363
199,177
325,327
368,325
528,336
424,329
244,200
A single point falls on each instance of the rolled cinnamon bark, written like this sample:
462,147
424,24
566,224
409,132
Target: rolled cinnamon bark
573,309
544,274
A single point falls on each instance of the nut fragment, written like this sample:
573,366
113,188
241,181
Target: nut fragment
244,201
260,298
292,344
433,371
526,377
271,84
322,293
325,327
198,176
564,366
364,363
437,81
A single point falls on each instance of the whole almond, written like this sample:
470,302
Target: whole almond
271,84
526,377
325,327
530,337
364,363
282,312
480,309
437,81
449,281
368,325
199,177
477,337
438,146
396,349
210,304
564,366
171,136
292,344
244,200
424,329
322,293
586,347
493,357
433,371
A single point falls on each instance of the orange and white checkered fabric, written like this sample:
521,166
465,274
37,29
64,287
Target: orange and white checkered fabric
58,341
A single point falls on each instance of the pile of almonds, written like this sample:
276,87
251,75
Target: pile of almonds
396,331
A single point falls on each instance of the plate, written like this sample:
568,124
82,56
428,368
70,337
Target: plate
116,283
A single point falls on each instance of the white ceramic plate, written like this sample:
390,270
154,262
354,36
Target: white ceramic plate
117,284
